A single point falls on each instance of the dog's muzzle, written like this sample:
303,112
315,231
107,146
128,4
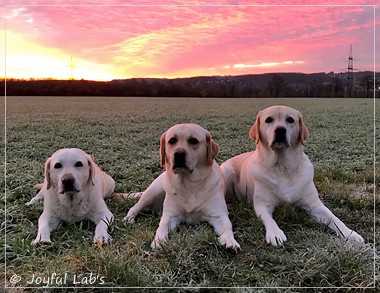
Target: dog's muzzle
180,161
280,140
68,184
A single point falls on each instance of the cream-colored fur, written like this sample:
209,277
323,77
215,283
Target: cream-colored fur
74,189
192,186
279,171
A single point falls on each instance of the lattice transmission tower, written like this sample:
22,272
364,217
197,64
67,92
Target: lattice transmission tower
350,75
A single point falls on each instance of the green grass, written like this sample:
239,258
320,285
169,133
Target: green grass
123,134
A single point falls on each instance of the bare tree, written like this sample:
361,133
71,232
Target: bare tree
276,85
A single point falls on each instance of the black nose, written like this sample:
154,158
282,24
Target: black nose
68,182
180,158
280,133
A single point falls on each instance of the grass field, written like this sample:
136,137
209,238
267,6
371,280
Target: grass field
123,135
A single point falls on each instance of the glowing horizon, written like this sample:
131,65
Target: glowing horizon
105,42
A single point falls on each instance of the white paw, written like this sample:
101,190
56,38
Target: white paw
130,217
229,242
157,243
275,237
353,236
40,239
102,238
32,202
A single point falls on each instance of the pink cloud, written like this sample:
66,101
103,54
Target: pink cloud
163,39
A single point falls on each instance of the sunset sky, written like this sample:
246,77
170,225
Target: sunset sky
86,39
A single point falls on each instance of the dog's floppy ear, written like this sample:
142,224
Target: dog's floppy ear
212,148
162,150
47,173
92,169
254,133
304,132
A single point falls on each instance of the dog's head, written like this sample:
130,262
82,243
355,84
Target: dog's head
185,147
279,127
68,170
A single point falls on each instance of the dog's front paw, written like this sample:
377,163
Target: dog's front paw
102,238
275,237
130,217
157,243
41,239
353,236
229,242
32,201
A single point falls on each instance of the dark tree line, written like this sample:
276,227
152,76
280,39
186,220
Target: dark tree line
263,85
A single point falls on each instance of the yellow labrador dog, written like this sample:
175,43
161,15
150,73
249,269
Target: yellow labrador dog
74,189
192,186
279,171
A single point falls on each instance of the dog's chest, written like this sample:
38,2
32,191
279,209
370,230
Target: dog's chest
73,211
287,191
189,203
191,199
192,207
286,185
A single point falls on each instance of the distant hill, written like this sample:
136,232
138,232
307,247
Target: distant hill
253,85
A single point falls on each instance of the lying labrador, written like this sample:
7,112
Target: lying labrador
192,186
74,189
279,171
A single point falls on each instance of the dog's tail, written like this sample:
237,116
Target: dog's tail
38,186
123,196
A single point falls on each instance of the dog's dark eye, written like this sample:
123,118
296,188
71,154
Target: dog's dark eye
290,120
172,141
78,164
193,141
57,166
269,120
